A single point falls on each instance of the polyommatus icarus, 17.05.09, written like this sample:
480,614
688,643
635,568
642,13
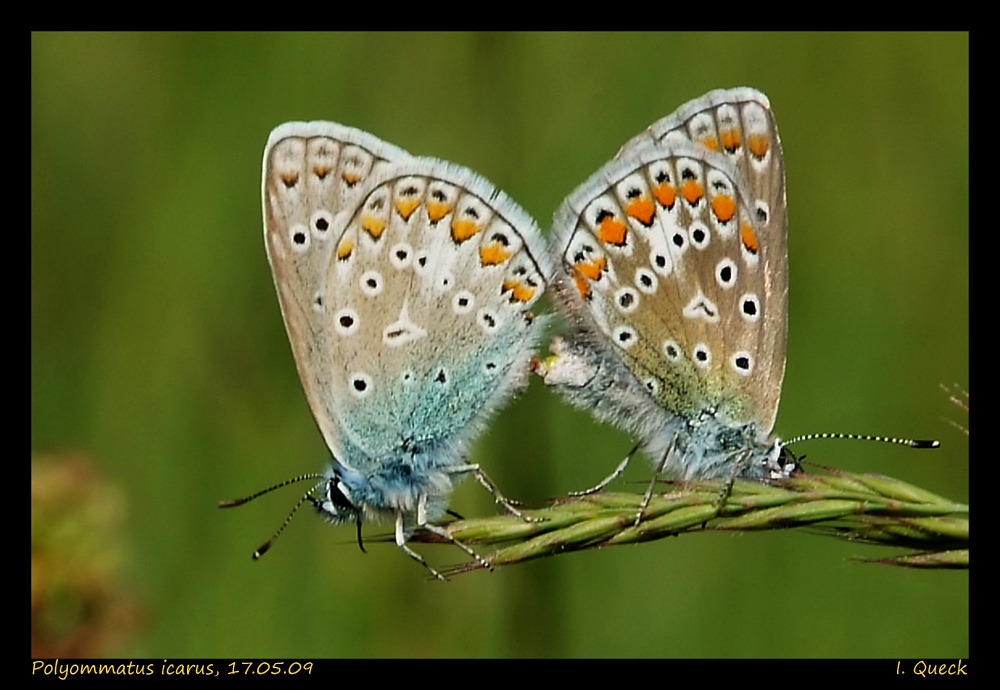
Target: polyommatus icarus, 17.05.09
405,284
673,270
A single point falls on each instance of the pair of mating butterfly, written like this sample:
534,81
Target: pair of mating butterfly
406,286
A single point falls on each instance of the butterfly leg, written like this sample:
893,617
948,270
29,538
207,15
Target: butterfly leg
610,478
401,543
652,482
443,533
739,467
488,484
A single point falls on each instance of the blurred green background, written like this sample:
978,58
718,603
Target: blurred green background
159,360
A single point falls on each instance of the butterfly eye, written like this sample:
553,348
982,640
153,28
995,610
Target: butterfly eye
337,493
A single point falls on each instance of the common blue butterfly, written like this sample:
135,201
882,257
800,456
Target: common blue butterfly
673,272
406,285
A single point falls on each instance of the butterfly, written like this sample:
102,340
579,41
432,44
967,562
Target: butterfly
406,286
672,271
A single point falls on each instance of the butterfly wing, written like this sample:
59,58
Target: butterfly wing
429,299
406,286
739,124
674,270
313,174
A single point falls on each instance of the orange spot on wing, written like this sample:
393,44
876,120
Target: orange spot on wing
641,208
692,191
493,254
436,210
759,144
373,225
461,230
345,248
582,286
591,269
731,140
710,143
322,171
351,178
405,207
612,231
665,194
749,238
290,179
519,292
724,207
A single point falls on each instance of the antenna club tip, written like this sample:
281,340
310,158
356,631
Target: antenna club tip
262,550
908,442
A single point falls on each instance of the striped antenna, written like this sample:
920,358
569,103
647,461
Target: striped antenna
241,501
307,497
912,443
